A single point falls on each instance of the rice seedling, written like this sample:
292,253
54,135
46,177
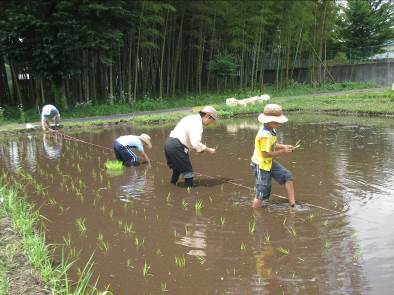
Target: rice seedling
357,255
325,222
297,145
189,189
67,240
174,233
111,213
73,253
81,225
222,220
284,220
283,251
292,231
327,244
201,259
158,252
252,226
130,263
146,270
311,216
180,261
184,204
243,247
169,199
163,287
198,205
267,237
127,228
103,245
210,199
300,259
139,242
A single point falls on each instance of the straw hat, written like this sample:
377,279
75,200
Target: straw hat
272,113
146,138
210,111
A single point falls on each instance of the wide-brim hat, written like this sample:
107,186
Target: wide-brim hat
210,111
146,138
272,113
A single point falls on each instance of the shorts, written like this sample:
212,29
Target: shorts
177,155
264,178
124,154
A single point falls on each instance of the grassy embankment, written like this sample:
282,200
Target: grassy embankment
31,243
379,102
294,98
13,115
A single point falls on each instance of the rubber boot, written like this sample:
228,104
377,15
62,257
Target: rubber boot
175,176
189,182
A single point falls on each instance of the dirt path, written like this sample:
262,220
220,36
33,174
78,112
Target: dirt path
21,276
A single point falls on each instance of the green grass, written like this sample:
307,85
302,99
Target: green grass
12,114
3,278
24,220
371,102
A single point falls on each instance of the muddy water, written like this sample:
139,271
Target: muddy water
339,243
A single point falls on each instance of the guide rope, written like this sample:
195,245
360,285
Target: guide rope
71,138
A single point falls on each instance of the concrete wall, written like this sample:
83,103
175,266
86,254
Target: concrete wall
380,72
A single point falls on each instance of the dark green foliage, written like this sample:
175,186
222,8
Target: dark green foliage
223,66
366,26
72,52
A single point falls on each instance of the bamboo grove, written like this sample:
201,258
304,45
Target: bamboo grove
74,51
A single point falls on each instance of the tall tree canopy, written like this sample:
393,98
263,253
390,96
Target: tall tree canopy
366,25
95,51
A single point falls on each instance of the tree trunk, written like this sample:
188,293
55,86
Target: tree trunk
177,56
161,83
137,53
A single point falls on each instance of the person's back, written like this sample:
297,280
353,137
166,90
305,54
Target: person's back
131,141
49,112
125,146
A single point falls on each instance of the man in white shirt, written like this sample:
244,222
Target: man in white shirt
49,112
185,136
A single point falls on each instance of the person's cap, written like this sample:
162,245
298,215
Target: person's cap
210,111
272,113
146,138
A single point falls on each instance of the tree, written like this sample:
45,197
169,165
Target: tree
365,27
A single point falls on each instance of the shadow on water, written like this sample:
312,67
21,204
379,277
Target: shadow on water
208,240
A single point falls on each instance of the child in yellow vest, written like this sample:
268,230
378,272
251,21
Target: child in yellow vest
265,149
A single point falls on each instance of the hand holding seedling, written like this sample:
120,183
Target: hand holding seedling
297,145
210,150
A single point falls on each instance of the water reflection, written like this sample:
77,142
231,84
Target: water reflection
134,182
52,145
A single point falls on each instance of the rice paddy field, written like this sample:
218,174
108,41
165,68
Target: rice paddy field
147,236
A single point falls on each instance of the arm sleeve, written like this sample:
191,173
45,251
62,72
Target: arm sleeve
140,147
195,134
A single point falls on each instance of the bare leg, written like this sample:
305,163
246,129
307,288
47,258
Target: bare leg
44,125
257,203
290,192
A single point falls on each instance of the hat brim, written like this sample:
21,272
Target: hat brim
214,116
148,143
278,119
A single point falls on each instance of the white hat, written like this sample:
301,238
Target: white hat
272,113
146,138
210,111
